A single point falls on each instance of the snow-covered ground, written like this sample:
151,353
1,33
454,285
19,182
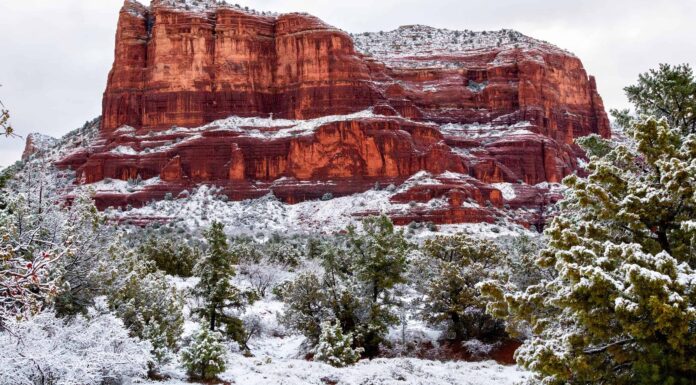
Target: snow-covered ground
263,217
266,370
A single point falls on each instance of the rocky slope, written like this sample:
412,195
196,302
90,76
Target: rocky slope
202,93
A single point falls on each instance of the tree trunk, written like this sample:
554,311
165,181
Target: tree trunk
212,319
457,326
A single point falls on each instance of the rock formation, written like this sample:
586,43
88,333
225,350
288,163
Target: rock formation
257,103
36,143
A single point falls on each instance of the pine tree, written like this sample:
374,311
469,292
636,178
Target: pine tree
306,306
460,263
173,256
668,92
205,358
378,262
76,274
618,307
215,271
335,348
379,254
357,288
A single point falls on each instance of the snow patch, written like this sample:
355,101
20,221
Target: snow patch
508,190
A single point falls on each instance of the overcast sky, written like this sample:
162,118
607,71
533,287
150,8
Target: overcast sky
55,54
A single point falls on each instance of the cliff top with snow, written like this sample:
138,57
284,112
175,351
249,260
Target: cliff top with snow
202,6
420,41
410,41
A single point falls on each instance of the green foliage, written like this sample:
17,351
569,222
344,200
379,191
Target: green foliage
218,295
378,255
595,145
150,307
205,358
618,305
284,253
5,176
335,348
357,288
521,252
667,92
377,263
170,254
246,251
306,305
459,264
76,274
4,196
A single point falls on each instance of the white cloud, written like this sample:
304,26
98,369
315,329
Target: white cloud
55,55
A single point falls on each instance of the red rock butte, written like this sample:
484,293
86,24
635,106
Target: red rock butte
253,102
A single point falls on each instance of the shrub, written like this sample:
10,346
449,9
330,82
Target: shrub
150,307
172,256
284,254
49,350
335,348
452,298
357,288
205,358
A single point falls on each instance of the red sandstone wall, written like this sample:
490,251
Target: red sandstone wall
187,69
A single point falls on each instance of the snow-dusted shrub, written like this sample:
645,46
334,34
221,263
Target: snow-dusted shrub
335,348
85,350
83,231
205,358
171,253
261,277
246,251
149,305
456,264
152,309
307,305
356,289
284,254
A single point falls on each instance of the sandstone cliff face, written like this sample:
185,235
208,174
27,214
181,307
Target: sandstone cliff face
178,68
313,110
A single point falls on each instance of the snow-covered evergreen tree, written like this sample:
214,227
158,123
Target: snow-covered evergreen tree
336,348
171,254
307,305
76,273
218,295
150,307
451,297
357,288
378,263
205,358
620,304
